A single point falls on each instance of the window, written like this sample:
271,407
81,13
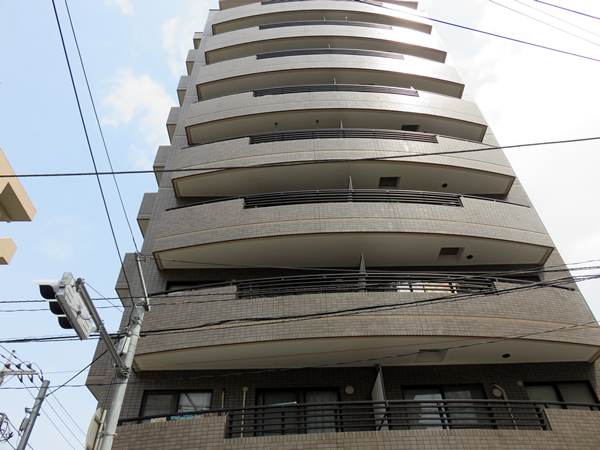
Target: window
291,419
173,402
569,392
435,413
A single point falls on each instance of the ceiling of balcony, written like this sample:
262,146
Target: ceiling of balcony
327,76
315,352
333,41
344,249
365,175
339,13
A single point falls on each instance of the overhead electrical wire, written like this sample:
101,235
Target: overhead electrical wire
261,321
541,21
89,145
99,126
52,422
340,363
569,10
297,163
558,18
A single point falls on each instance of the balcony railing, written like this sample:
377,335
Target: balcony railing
342,133
328,51
335,88
311,418
369,2
348,196
363,282
302,23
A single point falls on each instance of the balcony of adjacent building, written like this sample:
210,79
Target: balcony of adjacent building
15,206
271,13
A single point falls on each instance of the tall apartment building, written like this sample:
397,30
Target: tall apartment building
340,256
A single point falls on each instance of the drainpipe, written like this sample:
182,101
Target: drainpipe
245,389
505,397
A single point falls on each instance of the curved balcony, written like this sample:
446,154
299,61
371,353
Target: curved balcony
347,196
356,317
266,162
338,417
251,41
321,66
389,234
270,13
243,114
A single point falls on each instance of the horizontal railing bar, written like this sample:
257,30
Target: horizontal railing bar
324,22
328,51
349,196
335,88
388,409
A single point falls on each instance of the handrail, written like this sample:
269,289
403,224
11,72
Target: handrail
370,2
299,89
297,23
342,133
348,196
378,415
356,281
328,51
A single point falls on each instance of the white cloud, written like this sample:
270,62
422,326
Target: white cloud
178,31
124,5
142,103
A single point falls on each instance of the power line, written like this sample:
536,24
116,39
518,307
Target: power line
541,21
99,126
288,164
261,321
78,373
89,145
341,363
559,19
52,422
569,10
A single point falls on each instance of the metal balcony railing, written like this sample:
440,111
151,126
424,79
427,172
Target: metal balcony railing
342,133
303,23
363,282
348,196
301,89
311,418
369,2
328,51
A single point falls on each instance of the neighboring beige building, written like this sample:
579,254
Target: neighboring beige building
339,254
15,206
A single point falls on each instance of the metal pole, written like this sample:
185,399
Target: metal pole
112,418
33,415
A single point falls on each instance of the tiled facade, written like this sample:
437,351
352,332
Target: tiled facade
323,229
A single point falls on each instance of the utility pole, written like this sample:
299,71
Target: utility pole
33,413
135,326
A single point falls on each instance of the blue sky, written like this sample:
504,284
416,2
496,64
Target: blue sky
134,55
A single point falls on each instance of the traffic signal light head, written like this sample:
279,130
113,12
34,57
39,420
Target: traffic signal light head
65,301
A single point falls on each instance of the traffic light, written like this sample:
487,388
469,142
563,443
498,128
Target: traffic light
64,299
